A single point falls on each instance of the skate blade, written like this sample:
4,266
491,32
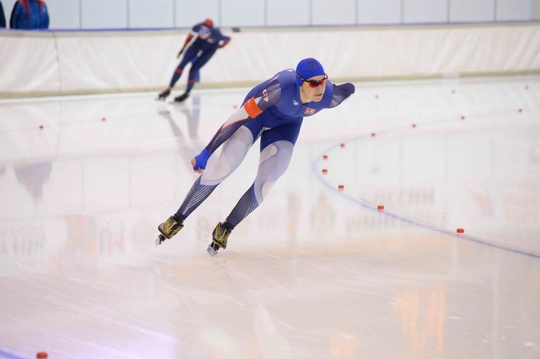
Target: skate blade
160,239
211,251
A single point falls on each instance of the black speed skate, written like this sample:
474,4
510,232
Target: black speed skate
168,229
182,97
163,95
220,235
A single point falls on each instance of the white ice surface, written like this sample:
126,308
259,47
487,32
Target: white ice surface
314,272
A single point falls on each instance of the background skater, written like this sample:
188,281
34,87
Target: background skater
208,39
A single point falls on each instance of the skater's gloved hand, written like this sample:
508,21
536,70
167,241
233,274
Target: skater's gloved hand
180,53
347,88
224,43
199,162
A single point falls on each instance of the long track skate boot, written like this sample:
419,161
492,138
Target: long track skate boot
168,229
182,97
163,95
220,235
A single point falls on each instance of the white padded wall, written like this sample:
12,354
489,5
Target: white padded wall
109,61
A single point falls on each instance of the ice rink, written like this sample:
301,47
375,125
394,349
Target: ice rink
317,271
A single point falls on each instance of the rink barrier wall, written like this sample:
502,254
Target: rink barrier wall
49,63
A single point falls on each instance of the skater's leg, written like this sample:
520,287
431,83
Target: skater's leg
189,55
199,62
194,73
233,153
277,147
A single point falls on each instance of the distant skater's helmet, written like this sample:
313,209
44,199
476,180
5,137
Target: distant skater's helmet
208,23
308,68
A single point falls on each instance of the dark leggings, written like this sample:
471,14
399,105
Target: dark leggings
197,62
